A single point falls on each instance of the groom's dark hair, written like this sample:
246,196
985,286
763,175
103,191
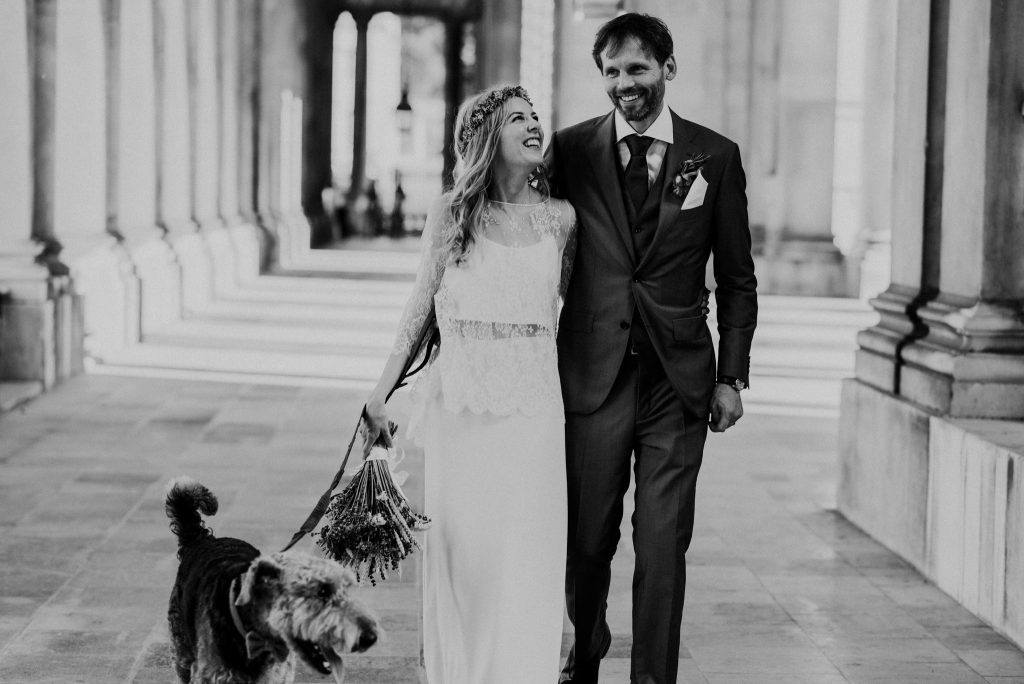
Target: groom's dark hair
652,34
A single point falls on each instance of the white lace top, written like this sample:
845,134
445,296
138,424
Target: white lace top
497,310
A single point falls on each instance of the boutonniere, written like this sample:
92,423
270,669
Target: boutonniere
687,173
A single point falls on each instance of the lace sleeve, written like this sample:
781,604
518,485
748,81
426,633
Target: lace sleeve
428,279
568,250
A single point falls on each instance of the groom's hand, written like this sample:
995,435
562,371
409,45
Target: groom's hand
726,408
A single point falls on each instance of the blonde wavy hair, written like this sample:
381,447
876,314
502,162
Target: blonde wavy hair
478,127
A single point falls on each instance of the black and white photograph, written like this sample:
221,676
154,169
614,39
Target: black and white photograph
512,341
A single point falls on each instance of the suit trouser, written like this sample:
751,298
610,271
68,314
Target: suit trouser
642,416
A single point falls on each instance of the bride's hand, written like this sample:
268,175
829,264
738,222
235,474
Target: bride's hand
375,417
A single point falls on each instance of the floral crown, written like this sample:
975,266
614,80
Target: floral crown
484,108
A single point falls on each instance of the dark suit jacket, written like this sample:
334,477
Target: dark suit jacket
667,285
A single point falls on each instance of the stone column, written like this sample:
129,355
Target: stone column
893,171
204,121
26,303
155,298
248,95
931,429
318,54
82,173
358,176
235,249
857,18
453,94
800,256
971,362
265,104
80,127
499,43
177,104
883,441
204,116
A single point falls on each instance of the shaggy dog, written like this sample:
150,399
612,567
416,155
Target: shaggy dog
239,617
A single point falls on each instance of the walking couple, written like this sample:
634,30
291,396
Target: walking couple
529,418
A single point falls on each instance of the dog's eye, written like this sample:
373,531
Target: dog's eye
325,592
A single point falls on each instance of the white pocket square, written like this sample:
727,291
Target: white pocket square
695,197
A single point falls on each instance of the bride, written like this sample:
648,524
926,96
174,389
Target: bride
496,255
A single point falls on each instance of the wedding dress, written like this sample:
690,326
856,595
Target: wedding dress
488,413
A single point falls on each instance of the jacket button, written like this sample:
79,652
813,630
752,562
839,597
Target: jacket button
636,280
624,325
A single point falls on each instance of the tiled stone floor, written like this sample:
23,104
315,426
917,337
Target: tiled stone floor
781,588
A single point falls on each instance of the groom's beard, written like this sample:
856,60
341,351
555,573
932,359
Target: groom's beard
649,102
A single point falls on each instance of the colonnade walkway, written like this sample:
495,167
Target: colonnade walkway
256,395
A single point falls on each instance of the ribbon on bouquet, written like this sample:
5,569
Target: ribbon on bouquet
427,340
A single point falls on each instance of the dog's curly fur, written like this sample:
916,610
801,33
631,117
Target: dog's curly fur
287,603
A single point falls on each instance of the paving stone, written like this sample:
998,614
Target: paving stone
781,589
994,662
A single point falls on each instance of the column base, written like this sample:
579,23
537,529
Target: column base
878,346
805,267
159,274
941,493
40,319
294,237
104,276
192,254
971,364
883,474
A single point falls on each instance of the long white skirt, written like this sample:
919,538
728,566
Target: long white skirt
494,558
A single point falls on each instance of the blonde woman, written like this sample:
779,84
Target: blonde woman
496,255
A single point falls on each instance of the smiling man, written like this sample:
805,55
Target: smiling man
656,197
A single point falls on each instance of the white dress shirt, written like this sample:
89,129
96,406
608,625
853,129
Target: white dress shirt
660,130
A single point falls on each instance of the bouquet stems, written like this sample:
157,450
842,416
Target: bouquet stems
370,523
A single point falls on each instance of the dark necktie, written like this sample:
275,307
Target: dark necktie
636,169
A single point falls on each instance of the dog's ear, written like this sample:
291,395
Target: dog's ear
263,571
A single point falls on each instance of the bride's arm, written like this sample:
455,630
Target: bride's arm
417,309
568,250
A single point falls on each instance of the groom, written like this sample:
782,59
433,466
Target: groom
655,196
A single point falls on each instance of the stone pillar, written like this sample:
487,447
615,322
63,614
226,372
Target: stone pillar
27,350
893,172
931,429
453,95
204,116
249,89
971,362
283,76
266,65
177,106
798,101
318,54
81,173
235,250
536,66
106,277
857,18
882,491
155,298
358,176
499,42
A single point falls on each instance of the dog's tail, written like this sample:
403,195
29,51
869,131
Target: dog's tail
186,499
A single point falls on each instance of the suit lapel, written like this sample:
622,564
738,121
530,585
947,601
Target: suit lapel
602,153
683,146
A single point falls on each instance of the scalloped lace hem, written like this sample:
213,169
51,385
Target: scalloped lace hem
421,403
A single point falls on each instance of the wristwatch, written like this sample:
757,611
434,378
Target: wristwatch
735,383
